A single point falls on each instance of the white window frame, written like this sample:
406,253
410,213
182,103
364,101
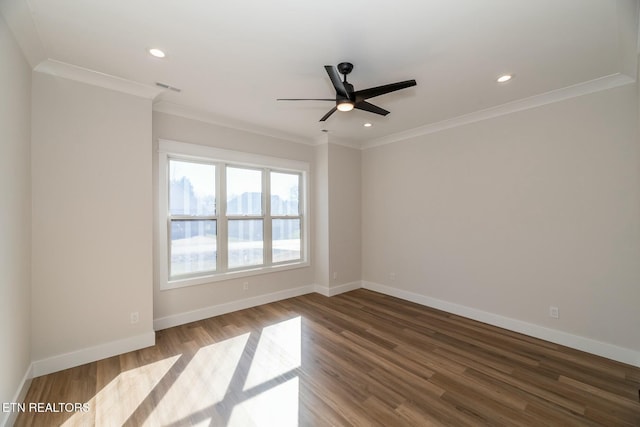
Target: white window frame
220,157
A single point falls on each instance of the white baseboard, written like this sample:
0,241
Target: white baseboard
610,351
339,289
9,418
91,354
87,355
217,310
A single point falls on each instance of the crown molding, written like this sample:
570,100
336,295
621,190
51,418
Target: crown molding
207,117
585,88
96,78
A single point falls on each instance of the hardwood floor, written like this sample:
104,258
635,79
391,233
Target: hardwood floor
359,358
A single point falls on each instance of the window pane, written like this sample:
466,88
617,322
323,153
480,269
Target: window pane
286,240
284,193
245,242
192,188
193,247
244,191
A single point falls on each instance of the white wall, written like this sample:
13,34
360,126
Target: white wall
15,216
189,303
92,231
514,214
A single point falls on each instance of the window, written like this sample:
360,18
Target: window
245,216
225,214
285,216
192,218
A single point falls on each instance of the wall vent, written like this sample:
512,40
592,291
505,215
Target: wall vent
166,86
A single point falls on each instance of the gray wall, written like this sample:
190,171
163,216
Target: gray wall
15,216
337,245
514,214
344,191
92,231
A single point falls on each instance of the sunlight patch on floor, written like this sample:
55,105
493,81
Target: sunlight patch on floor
115,403
190,392
278,352
277,406
204,382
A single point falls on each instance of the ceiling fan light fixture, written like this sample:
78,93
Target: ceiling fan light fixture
345,105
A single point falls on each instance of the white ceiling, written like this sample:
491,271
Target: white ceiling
232,59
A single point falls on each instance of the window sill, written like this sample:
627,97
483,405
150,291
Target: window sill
201,280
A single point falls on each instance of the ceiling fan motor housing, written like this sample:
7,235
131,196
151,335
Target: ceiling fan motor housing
345,68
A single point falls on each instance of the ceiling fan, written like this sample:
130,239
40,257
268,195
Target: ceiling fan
347,99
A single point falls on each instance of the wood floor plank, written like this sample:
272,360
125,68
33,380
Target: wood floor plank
355,359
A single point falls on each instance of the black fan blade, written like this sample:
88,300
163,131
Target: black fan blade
335,79
381,90
364,105
326,116
306,99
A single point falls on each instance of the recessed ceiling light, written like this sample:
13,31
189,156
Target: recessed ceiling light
367,125
157,53
505,78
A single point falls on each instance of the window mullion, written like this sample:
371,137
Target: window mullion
302,212
266,191
168,243
221,212
192,217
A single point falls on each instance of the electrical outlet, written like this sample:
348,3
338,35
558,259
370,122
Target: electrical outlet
245,286
135,317
392,276
554,312
335,275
